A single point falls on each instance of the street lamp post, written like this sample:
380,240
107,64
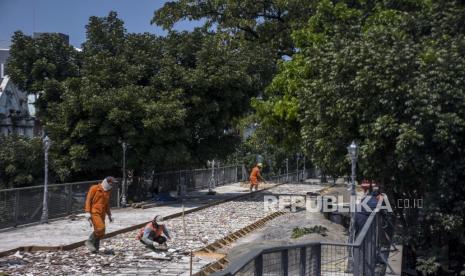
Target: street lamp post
211,183
44,217
123,188
352,149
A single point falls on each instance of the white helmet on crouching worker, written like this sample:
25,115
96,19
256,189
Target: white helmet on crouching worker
157,220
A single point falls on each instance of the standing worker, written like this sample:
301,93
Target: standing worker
256,176
97,206
154,234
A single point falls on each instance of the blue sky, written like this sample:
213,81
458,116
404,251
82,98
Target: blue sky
71,16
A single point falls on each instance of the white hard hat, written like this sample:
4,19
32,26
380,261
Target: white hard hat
158,219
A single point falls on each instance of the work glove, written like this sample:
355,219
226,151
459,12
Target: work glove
155,244
87,215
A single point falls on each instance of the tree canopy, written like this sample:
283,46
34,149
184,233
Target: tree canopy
174,99
390,76
21,161
264,22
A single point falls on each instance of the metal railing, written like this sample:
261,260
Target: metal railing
195,179
319,258
19,206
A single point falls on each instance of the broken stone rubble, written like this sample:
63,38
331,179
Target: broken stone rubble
129,256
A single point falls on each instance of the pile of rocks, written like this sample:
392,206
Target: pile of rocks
123,254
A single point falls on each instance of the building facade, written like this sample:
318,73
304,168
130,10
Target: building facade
17,113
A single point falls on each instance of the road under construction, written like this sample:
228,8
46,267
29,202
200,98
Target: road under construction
205,239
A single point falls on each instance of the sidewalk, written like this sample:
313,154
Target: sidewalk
66,231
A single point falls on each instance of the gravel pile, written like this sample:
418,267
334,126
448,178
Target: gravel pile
124,255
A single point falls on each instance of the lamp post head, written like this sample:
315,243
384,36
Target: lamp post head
352,149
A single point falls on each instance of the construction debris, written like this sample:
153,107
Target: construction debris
124,254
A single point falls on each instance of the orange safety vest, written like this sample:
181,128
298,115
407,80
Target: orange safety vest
158,231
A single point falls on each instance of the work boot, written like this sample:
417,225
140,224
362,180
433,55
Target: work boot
90,243
97,244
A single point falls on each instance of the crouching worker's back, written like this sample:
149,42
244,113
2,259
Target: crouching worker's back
154,235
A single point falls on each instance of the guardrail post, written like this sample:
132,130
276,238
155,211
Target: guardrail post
285,262
218,175
16,214
259,265
298,157
69,202
235,174
363,253
317,252
287,169
118,196
178,187
358,267
304,173
303,261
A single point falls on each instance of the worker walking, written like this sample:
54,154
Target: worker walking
154,234
97,207
255,177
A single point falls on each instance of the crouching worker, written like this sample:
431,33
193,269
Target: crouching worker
97,207
154,234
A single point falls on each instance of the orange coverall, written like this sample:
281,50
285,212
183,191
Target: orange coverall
255,176
98,204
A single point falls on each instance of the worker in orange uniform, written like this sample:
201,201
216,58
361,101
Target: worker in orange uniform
154,234
97,206
256,176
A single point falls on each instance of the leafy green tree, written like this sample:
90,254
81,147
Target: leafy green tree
261,30
256,145
264,22
37,65
21,161
174,99
217,77
388,75
114,100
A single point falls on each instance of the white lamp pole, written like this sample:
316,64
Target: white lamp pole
123,198
352,149
44,217
211,183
